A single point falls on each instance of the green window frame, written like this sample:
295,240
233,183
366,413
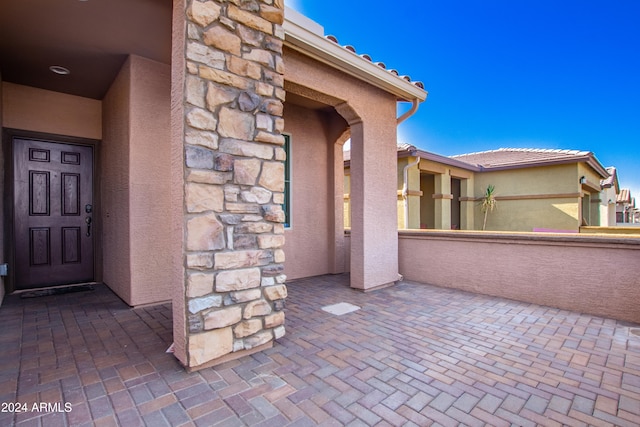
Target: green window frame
286,207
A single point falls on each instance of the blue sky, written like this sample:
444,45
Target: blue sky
508,73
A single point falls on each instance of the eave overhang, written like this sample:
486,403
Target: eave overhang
323,50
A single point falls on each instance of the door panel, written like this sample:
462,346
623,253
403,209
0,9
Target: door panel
53,182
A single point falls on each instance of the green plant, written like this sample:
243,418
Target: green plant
488,203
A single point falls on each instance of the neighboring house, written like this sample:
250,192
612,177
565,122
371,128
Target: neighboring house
536,190
626,210
161,161
608,198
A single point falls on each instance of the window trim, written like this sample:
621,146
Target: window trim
287,206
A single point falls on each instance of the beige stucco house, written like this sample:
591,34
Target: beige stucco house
536,190
191,151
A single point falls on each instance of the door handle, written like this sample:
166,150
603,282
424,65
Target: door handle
88,221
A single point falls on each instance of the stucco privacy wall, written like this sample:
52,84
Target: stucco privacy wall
552,270
135,158
227,119
371,115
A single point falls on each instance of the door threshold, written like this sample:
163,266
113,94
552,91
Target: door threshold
56,290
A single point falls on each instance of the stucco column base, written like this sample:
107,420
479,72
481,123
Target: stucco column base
229,357
376,288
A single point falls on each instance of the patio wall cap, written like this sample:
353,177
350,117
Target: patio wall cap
525,237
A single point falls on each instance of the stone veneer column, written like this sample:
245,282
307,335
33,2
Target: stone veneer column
234,178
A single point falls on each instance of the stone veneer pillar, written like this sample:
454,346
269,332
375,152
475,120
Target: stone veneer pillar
234,178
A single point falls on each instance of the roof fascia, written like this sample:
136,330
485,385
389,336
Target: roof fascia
332,54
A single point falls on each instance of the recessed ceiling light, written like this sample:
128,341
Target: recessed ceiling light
60,70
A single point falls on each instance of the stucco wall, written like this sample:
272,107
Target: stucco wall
40,110
115,193
517,207
553,270
135,165
307,242
2,205
150,179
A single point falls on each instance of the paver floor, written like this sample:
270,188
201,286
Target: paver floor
413,354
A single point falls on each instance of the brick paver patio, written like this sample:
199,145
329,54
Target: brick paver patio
412,355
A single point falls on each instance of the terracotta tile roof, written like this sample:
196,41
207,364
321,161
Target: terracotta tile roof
519,156
379,64
624,196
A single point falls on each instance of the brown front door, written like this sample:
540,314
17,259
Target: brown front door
53,213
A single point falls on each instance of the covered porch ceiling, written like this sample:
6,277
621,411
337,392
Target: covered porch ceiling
91,38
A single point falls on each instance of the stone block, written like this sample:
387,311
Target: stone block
249,101
273,107
272,14
236,280
224,77
218,95
247,171
279,332
241,259
223,163
203,54
275,292
198,157
279,304
210,345
198,304
195,323
269,138
236,124
195,91
260,56
204,197
257,195
272,176
246,149
223,39
258,339
250,36
245,296
254,228
273,213
257,308
272,320
208,177
271,241
222,318
203,13
279,256
199,284
205,139
245,241
200,261
246,208
247,328
249,19
201,119
205,233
